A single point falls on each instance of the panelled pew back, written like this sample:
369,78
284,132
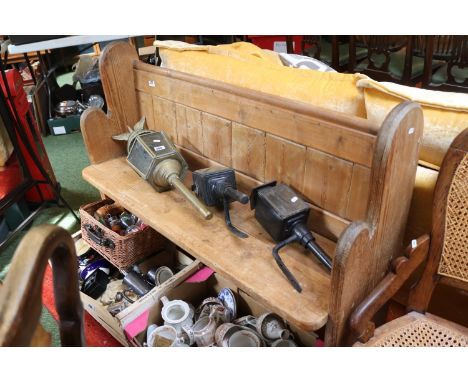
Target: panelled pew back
340,164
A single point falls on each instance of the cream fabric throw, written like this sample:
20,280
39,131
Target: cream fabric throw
445,113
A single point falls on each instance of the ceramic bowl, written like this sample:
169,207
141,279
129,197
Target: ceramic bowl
244,338
163,336
283,344
224,332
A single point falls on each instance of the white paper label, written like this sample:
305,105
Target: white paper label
414,243
411,131
151,83
281,47
159,148
58,130
294,199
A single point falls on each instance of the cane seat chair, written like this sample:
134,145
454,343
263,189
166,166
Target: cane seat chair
446,250
21,292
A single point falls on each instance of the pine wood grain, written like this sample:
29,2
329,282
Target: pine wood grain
145,103
365,249
189,128
285,162
165,117
217,138
97,129
248,262
321,221
346,137
117,77
358,197
248,151
118,82
327,181
341,141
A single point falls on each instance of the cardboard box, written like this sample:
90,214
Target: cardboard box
194,291
192,284
117,325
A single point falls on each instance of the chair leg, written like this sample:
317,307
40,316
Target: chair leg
427,76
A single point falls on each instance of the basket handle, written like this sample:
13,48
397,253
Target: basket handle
96,235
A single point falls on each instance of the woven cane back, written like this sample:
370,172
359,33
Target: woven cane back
454,259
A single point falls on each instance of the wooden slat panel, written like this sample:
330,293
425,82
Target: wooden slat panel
145,103
165,117
189,128
333,137
217,137
181,122
248,151
285,162
320,221
342,119
358,193
327,181
195,161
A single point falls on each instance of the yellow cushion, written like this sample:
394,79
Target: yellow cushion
445,113
420,213
246,65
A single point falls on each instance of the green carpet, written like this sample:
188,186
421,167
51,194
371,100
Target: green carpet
68,157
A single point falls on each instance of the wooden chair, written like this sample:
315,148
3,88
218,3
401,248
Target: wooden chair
20,295
389,58
333,50
447,262
452,51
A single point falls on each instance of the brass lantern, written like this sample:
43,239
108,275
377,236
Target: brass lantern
155,158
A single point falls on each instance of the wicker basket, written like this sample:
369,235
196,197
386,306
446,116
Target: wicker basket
121,251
